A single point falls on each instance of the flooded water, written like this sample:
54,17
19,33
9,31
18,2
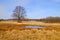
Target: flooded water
33,27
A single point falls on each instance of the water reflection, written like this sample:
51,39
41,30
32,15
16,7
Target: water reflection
33,27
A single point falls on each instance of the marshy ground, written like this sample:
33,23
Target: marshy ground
13,31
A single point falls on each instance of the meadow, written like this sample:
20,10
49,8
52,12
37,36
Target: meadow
13,31
30,34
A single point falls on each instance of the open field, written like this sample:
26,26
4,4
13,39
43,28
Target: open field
13,31
30,34
28,23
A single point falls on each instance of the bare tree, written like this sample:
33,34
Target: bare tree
19,13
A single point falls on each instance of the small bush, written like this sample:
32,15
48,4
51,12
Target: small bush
1,19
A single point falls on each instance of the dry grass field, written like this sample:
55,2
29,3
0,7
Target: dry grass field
29,23
13,31
30,34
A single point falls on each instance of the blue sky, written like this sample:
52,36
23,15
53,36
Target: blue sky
34,8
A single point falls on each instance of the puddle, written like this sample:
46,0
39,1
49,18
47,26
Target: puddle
33,27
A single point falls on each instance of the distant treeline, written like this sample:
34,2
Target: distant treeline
1,19
47,20
20,19
51,20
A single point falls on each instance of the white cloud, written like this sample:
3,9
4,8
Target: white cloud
22,2
3,12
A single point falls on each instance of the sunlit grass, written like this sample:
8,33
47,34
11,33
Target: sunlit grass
30,23
30,34
13,31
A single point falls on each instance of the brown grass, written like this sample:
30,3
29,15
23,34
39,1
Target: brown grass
30,34
13,31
